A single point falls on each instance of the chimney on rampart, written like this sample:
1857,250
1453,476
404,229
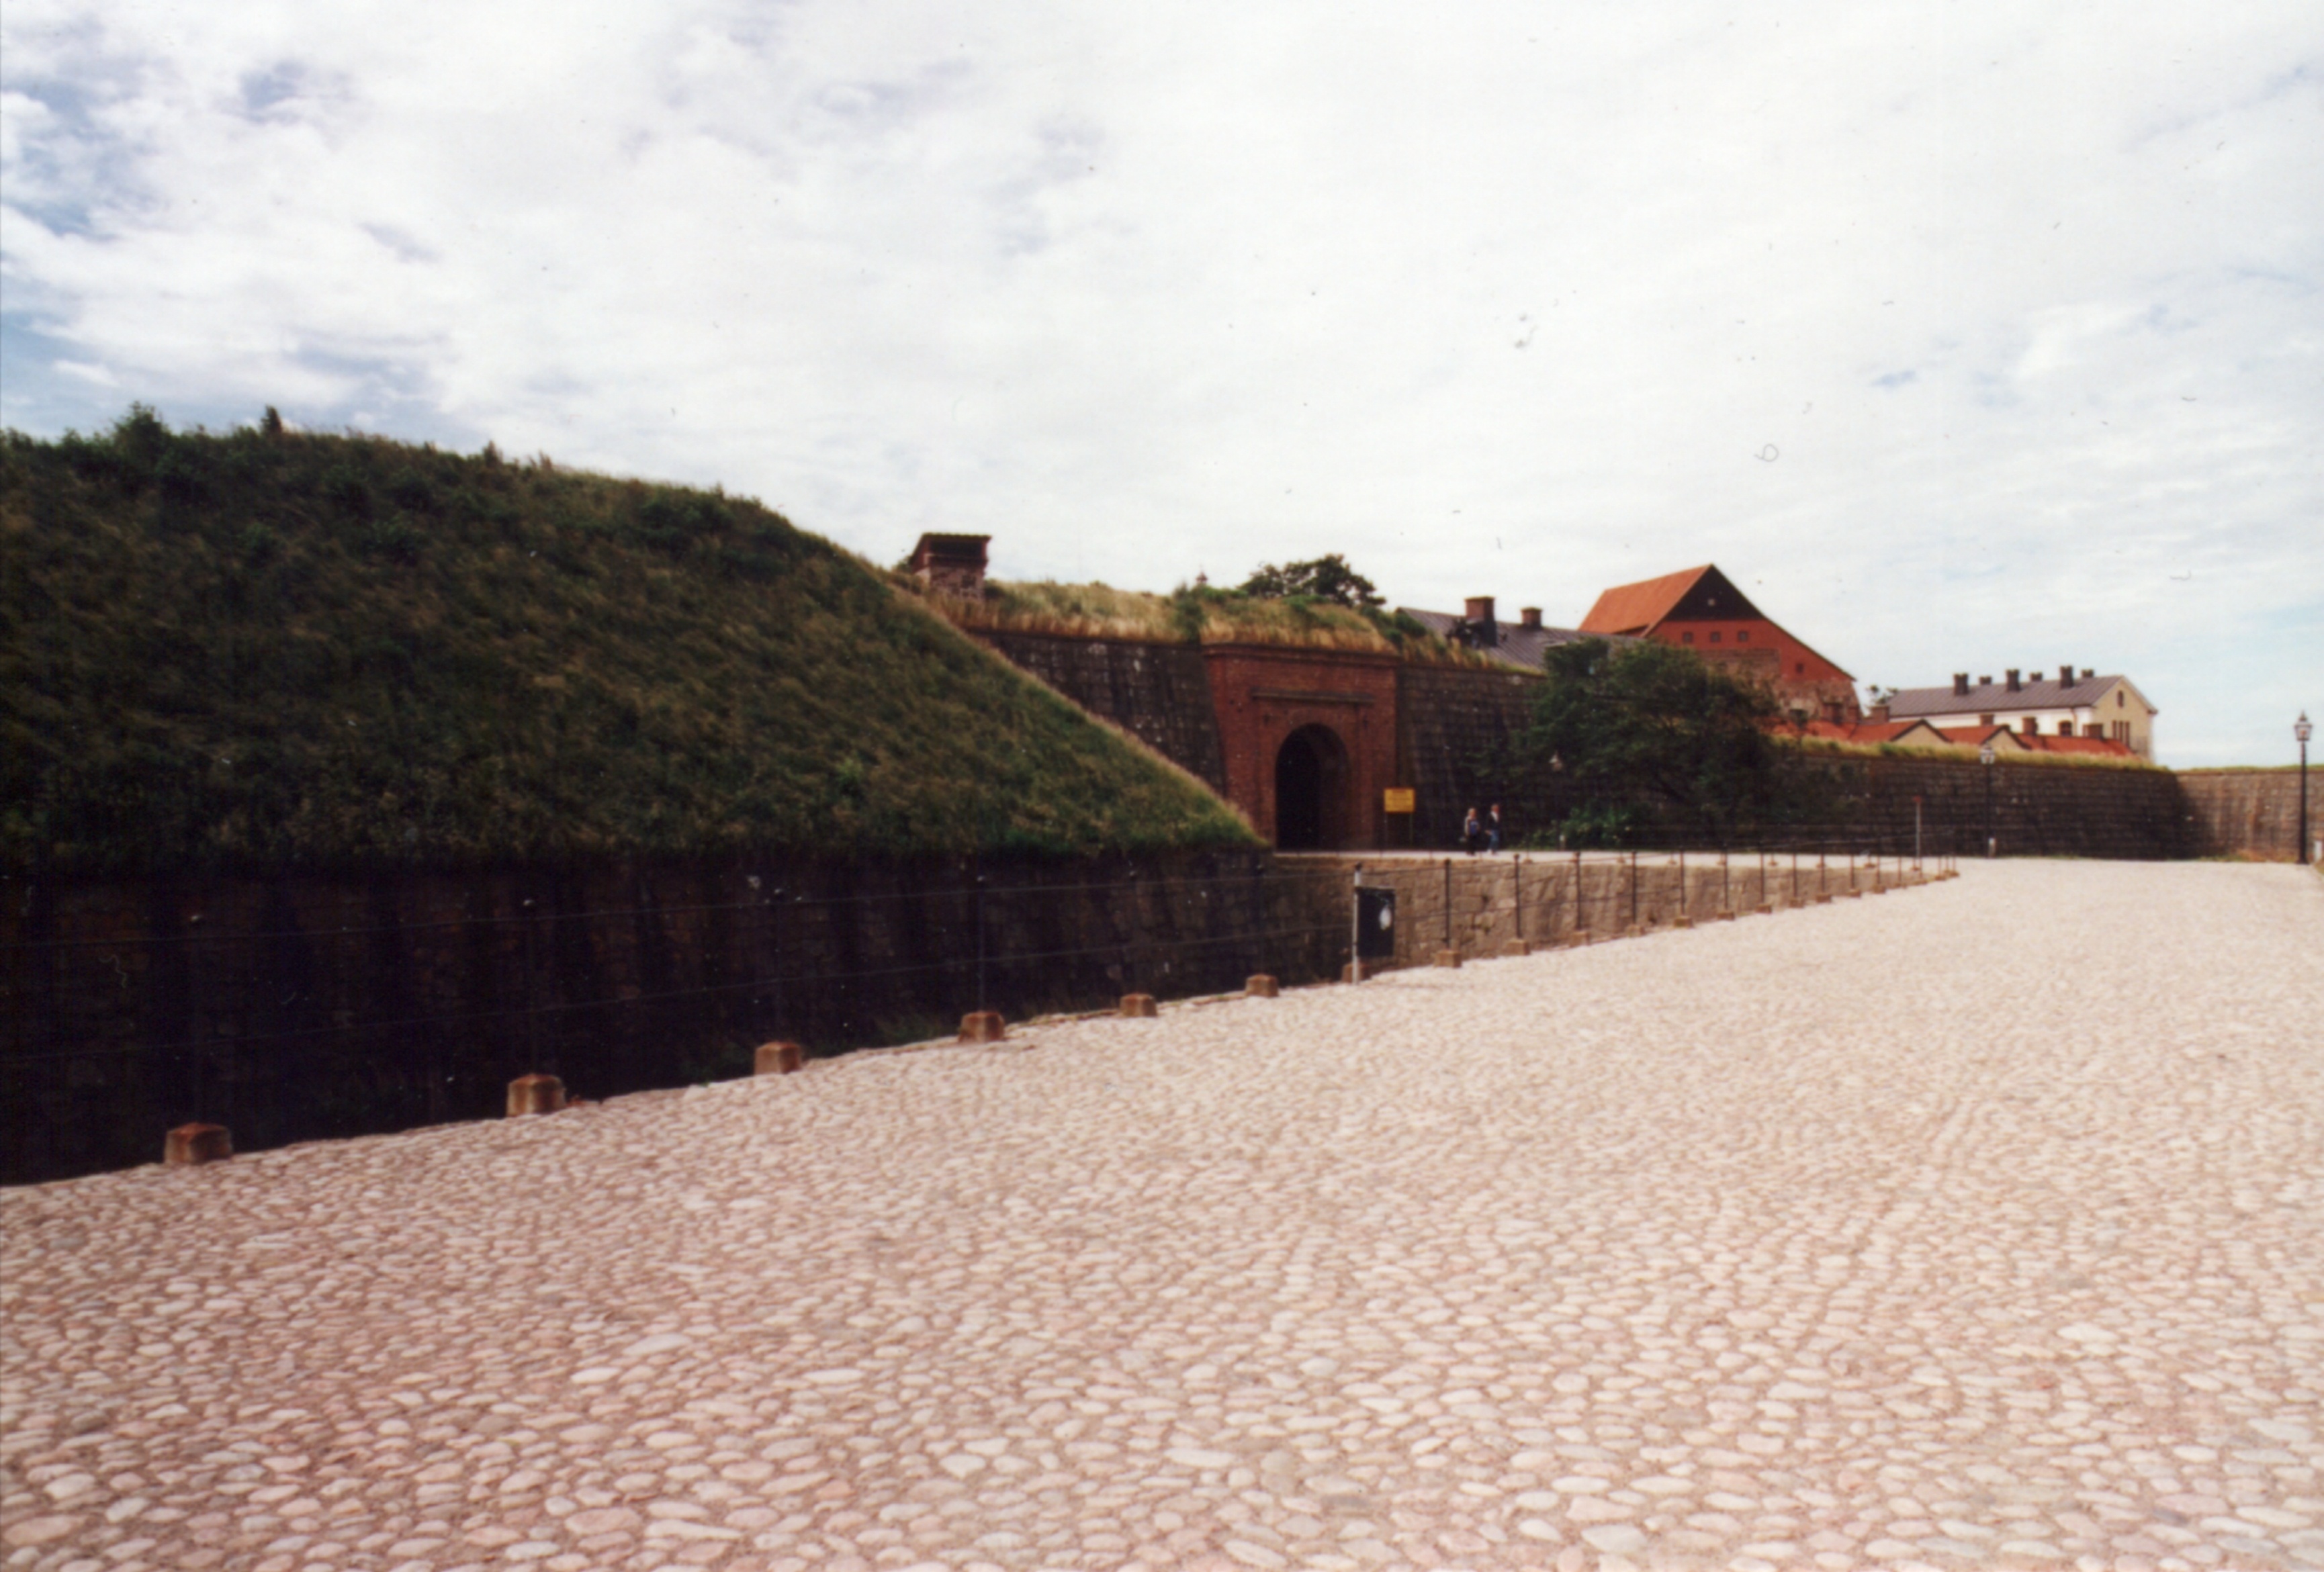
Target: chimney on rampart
952,565
1481,625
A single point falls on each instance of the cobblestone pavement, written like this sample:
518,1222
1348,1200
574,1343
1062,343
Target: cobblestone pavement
1970,1225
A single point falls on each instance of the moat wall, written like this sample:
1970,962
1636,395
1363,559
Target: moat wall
291,1009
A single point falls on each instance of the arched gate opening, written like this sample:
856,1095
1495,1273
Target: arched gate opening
1311,789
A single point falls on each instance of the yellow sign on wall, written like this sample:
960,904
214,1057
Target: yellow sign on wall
1397,800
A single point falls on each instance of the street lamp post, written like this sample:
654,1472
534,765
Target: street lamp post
1985,756
2303,731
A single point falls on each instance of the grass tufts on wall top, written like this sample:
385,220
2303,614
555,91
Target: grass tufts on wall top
270,649
1197,615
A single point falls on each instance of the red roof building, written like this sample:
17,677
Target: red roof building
1701,610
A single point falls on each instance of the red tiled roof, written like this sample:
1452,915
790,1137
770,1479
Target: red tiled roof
1858,730
1635,608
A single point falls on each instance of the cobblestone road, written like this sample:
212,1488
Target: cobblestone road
1975,1225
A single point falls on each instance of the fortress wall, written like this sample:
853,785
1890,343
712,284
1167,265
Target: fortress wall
1160,693
305,1007
1459,727
2248,812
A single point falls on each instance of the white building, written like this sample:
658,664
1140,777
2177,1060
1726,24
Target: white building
2066,705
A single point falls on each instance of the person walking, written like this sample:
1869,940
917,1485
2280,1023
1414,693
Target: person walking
1471,832
1493,828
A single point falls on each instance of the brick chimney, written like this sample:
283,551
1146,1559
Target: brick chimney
2017,683
1529,616
1880,715
952,565
1960,685
1481,621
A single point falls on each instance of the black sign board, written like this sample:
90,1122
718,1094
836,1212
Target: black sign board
1376,924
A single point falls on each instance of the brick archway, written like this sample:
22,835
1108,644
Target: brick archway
1311,790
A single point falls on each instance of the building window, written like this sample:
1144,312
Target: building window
2094,729
1984,719
1799,668
1714,638
1686,638
2065,727
2118,700
1743,636
2032,727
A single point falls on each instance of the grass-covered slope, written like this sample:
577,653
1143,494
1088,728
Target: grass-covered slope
268,648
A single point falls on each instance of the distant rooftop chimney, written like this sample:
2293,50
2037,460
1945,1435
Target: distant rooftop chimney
1985,681
1960,685
1481,621
2016,684
1880,715
2088,674
1529,616
952,565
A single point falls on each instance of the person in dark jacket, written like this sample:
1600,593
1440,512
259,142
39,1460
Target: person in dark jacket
1473,830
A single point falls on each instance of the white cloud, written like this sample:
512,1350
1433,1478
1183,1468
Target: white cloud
2022,300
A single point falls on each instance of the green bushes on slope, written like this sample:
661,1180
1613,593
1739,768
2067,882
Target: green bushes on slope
262,649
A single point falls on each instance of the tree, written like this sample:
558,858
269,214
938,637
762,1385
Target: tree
1326,578
1645,731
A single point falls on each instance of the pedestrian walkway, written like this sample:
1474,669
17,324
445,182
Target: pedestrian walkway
1984,1228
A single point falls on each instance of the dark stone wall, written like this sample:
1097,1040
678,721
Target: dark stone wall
1459,727
1160,693
299,1007
2248,812
2037,810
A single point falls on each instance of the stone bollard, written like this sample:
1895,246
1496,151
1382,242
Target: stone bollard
1449,958
1633,932
1137,1006
1823,900
1515,947
535,1094
983,1026
1577,940
1681,921
1853,895
1722,916
778,1059
1763,910
188,1145
1261,986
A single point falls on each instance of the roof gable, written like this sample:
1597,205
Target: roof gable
1635,608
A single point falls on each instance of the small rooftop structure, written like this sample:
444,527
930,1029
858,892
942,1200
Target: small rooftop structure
952,565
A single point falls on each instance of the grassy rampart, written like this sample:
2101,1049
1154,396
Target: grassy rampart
267,648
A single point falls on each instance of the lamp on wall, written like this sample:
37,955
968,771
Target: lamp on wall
1985,756
2303,731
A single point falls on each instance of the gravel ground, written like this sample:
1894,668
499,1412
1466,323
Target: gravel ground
1975,1225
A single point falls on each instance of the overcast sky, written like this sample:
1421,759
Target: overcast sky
1963,337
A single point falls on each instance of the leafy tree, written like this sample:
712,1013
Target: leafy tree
1326,578
1647,731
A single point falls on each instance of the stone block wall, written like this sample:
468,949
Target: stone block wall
296,1008
2037,810
2248,812
1160,693
1460,728
1545,899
